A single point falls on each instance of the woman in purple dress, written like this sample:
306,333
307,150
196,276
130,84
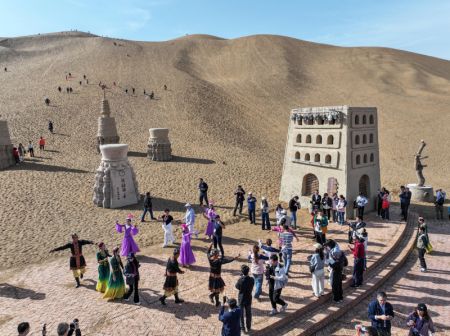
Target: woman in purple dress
210,215
128,243
186,255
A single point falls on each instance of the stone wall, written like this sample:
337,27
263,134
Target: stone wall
6,147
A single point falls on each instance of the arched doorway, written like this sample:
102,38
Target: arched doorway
364,185
310,183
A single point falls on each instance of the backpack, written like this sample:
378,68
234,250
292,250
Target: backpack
343,260
440,201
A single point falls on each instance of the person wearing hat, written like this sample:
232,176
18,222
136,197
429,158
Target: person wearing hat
381,312
103,268
251,207
216,283
148,207
265,221
420,322
245,287
231,318
240,197
131,273
166,220
171,283
116,285
77,262
316,267
129,230
189,218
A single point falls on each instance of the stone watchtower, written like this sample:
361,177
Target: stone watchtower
332,149
107,131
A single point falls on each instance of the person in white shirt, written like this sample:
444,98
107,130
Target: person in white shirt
189,219
361,202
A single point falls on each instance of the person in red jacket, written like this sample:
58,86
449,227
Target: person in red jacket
16,155
358,263
42,144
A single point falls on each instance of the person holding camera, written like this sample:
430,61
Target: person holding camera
240,197
420,322
245,286
381,312
231,318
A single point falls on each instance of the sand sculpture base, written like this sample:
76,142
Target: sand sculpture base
159,147
6,147
421,194
115,181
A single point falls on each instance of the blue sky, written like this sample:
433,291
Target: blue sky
414,25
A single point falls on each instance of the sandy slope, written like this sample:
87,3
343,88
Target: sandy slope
227,109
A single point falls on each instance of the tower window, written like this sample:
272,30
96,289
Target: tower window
330,140
371,119
328,158
357,140
297,155
307,157
364,139
308,138
371,138
357,120
358,159
372,157
317,158
318,139
299,138
364,119
365,158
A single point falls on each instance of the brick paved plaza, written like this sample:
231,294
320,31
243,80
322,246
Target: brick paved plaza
45,293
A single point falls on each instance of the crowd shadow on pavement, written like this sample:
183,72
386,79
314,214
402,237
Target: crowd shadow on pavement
14,292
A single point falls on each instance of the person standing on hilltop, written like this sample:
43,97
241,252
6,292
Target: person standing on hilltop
240,196
50,126
165,86
77,262
148,207
203,192
251,207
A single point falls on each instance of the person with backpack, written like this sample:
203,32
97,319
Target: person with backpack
358,262
245,287
277,278
439,205
385,205
422,243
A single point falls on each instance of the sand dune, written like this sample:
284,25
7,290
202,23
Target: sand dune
227,109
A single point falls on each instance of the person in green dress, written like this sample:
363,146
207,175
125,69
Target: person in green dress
116,285
103,268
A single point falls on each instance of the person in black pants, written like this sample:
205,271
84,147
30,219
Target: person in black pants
131,273
274,274
380,200
240,197
336,278
148,207
405,200
203,192
245,286
218,231
421,245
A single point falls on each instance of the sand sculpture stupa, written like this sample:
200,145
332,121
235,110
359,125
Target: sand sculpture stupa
6,147
115,180
159,147
107,130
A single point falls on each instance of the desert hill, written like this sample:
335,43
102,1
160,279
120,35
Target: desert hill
227,108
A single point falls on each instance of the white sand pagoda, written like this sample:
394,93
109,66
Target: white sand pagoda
107,130
6,147
115,181
159,147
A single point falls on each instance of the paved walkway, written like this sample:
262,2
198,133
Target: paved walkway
409,287
45,294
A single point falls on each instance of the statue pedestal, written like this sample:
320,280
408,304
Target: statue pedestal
421,194
159,147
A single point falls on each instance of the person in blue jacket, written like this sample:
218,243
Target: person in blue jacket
230,319
381,313
251,206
